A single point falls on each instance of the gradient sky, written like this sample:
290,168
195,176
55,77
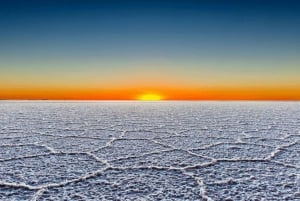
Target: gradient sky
109,49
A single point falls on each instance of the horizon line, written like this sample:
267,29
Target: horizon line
164,100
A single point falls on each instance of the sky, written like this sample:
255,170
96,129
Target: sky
122,50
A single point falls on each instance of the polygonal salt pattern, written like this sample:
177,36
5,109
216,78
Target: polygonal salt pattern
206,132
288,157
101,133
266,141
149,151
236,151
52,168
128,148
242,180
75,144
191,142
145,134
130,184
11,152
172,158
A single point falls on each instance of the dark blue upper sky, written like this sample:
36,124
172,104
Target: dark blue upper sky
150,28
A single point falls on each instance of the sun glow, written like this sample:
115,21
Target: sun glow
150,97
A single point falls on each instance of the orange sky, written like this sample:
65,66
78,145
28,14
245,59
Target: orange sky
166,94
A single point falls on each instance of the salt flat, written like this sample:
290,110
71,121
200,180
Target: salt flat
149,150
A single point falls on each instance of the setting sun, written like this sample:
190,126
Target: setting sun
150,97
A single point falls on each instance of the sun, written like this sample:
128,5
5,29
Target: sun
150,97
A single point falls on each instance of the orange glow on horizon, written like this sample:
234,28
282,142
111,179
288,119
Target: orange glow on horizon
156,94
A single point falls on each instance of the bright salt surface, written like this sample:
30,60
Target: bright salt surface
149,151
